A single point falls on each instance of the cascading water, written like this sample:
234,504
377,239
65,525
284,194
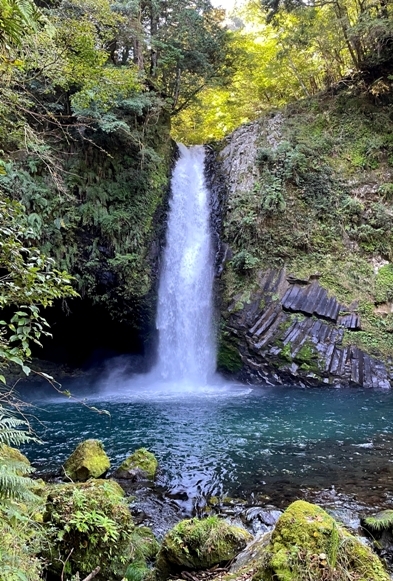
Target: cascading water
186,348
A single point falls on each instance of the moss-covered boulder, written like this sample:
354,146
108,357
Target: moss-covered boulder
88,525
89,460
307,543
199,544
13,454
141,465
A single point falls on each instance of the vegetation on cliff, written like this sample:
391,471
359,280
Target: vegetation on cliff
317,201
87,90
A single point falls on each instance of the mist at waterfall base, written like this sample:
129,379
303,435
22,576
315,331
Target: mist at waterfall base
212,437
186,353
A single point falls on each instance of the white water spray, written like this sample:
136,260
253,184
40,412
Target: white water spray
186,349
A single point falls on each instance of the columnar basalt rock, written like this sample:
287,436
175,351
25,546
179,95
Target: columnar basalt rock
293,328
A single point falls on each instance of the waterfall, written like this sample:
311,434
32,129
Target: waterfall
186,347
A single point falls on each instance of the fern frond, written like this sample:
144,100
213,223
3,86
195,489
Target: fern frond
13,485
10,429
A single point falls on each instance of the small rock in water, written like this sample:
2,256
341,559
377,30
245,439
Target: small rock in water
88,460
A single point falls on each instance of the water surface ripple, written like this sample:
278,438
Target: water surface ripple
235,440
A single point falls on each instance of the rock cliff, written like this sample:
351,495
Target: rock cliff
304,261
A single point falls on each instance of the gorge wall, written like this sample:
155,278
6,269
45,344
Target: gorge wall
306,241
102,218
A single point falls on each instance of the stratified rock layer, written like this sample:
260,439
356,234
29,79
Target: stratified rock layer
295,328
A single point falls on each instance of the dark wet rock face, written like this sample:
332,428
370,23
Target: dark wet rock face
293,329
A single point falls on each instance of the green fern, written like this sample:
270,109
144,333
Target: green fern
14,480
136,571
10,432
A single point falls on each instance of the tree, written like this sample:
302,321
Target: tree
180,46
366,27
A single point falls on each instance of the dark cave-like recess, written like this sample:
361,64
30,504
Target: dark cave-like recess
86,334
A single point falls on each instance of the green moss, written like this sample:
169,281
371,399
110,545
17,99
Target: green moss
228,357
142,460
308,543
88,460
286,353
200,544
89,525
13,454
384,284
381,521
307,357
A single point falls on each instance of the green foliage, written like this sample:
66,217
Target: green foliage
89,106
386,190
384,284
17,17
144,548
306,48
89,524
243,261
382,521
14,470
21,540
136,571
20,535
28,280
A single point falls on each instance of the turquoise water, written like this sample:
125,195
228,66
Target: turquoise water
233,440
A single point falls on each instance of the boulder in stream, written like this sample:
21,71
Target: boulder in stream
307,543
141,465
89,460
199,544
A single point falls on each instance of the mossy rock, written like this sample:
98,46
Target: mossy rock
89,460
199,544
10,453
228,358
142,464
307,543
88,525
